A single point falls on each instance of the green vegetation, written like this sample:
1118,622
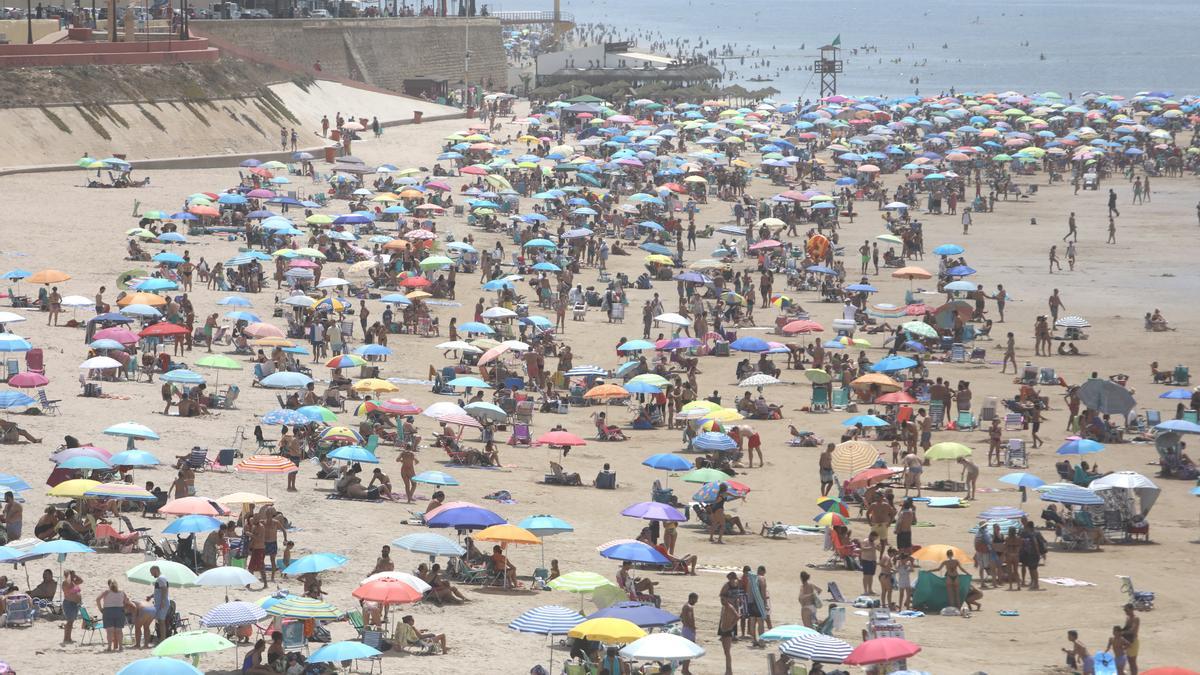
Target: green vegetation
268,97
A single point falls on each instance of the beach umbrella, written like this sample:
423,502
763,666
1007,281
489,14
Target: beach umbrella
266,465
183,376
654,511
31,380
787,632
285,416
228,577
890,364
507,534
607,631
713,441
1001,513
667,462
85,464
850,457
882,650
641,614
706,475
544,526
1021,479
15,343
759,380
632,551
464,518
1079,446
119,492
1073,496
177,575
435,478
131,431
579,582
192,643
295,607
936,553
353,453
403,577
235,613
15,399
1180,426
547,620
1172,394
73,489
160,666
199,506
429,544
865,420
822,648
245,498
947,451
313,563
134,458
347,650
192,524
1142,486
1106,397
286,380
388,591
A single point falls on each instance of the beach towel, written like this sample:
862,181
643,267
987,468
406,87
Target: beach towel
945,503
335,495
502,496
1065,581
759,604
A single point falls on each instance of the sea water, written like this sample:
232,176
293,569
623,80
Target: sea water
1069,46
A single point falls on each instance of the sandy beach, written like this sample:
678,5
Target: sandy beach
51,221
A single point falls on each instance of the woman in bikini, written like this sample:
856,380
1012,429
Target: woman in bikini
953,569
1012,557
728,623
808,601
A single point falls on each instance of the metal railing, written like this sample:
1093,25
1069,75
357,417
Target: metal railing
532,17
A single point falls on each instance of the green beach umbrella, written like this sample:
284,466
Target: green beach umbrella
705,476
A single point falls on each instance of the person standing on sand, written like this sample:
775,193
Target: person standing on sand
1001,297
1112,229
727,625
1112,203
1010,353
1078,656
809,602
1072,231
687,617
1130,631
825,468
1055,302
966,220
1054,259
407,470
324,126
1071,256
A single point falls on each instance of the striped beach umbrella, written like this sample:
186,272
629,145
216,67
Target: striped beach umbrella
547,620
266,464
579,582
295,607
236,613
120,492
823,648
429,544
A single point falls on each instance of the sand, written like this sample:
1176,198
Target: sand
56,223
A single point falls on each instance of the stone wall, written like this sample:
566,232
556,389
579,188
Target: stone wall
379,52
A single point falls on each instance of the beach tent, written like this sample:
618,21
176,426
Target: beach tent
930,592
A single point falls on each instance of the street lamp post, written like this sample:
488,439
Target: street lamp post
29,21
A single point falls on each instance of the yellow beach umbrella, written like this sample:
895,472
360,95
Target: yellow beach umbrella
608,631
507,534
73,488
375,385
936,553
48,276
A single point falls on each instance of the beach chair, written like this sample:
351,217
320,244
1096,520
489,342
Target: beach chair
1142,600
520,435
89,625
355,619
293,636
835,593
841,399
1181,376
372,638
820,399
1191,416
965,421
559,477
1047,376
937,414
230,396
1153,418
988,412
49,405
523,413
1029,375
978,355
225,458
11,367
197,458
1014,422
35,361
958,353
20,610
1015,455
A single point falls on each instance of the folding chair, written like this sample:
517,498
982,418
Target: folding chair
937,414
293,636
20,610
1016,457
820,399
49,405
89,625
523,412
1153,418
1191,416
965,421
1014,422
372,638
520,435
841,399
958,353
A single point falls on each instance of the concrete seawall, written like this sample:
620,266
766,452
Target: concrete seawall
378,52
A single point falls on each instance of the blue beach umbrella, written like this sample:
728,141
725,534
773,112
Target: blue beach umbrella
346,650
435,478
865,420
313,563
284,416
666,461
634,551
711,441
1022,479
544,526
192,524
354,453
1080,446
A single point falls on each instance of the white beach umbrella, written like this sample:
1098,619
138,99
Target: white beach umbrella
662,647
